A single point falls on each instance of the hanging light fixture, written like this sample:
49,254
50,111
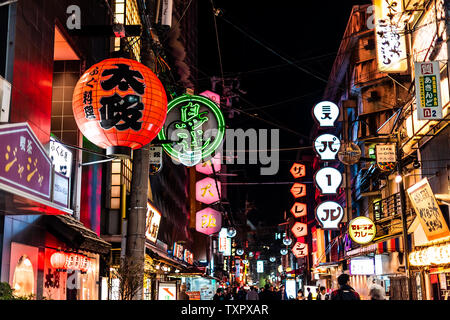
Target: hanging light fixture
287,241
272,259
284,251
239,252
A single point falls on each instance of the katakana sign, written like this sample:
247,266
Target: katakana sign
328,180
212,165
299,229
298,190
24,164
386,156
329,214
327,146
362,230
298,170
428,90
326,113
197,127
299,209
300,250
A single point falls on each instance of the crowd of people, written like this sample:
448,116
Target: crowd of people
271,293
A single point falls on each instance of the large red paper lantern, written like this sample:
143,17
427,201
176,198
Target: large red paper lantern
58,260
119,104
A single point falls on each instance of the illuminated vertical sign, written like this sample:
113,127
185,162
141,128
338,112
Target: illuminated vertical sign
259,266
153,219
208,190
428,90
390,36
208,221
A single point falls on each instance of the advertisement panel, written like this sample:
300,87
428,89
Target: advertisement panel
428,90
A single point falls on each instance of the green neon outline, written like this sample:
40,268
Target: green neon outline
220,125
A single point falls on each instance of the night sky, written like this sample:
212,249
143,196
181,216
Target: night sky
305,32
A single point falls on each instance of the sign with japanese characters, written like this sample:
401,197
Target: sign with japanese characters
224,242
362,230
390,36
300,250
386,156
299,209
197,126
328,180
208,190
211,166
119,103
61,189
428,90
362,266
327,146
214,97
61,157
24,164
299,229
178,250
208,221
298,190
155,159
188,256
427,210
329,214
153,220
298,170
260,266
326,113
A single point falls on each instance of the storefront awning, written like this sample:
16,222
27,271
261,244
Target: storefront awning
161,255
72,232
385,245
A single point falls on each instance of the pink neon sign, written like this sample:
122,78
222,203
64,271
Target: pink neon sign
206,191
208,221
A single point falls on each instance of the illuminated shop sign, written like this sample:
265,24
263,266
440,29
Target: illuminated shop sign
155,159
327,146
390,36
211,166
208,190
153,220
362,266
299,209
362,230
260,266
61,157
198,127
326,113
328,180
427,210
64,261
329,214
298,170
300,250
119,104
208,221
386,156
178,251
299,229
428,90
188,256
298,190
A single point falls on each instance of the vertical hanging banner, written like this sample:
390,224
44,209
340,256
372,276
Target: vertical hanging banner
427,210
155,159
390,36
428,90
166,14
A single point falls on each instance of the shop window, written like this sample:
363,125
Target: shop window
23,279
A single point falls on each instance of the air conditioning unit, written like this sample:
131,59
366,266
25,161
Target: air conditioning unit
5,99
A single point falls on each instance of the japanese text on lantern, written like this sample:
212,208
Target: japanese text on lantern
362,230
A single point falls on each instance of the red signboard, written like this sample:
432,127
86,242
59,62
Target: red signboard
300,250
298,170
299,210
298,190
300,229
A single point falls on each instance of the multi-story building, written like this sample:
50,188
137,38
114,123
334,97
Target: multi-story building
378,97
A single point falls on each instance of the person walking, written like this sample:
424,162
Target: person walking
252,294
345,292
322,295
219,296
376,292
310,295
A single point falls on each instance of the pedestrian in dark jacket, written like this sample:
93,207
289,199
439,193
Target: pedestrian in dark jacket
345,292
310,295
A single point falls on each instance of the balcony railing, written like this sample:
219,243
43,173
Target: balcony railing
387,207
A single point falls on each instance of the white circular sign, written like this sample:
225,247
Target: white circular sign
328,180
329,214
326,113
327,146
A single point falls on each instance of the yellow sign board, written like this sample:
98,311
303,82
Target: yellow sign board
362,230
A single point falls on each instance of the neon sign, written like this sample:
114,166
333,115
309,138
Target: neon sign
197,126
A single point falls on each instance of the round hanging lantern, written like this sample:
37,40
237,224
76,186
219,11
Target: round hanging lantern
231,232
239,252
119,104
58,260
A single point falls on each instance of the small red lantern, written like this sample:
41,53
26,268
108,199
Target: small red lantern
58,260
119,104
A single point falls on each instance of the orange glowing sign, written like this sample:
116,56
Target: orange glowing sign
119,103
298,170
299,209
300,250
299,229
298,190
